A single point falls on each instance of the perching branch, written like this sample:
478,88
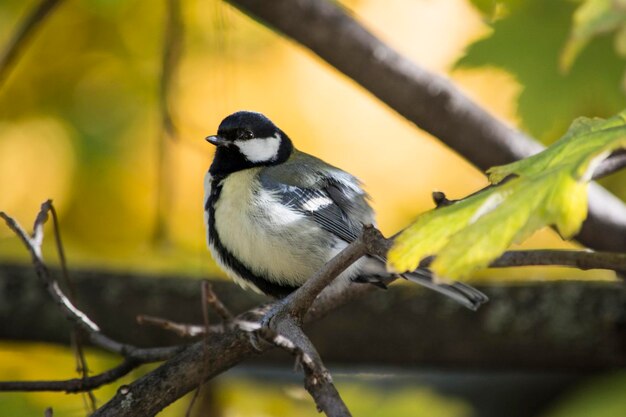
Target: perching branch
301,300
430,101
190,368
238,349
286,331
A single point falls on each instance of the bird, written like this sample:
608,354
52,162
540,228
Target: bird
275,215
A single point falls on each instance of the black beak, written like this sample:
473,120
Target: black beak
216,140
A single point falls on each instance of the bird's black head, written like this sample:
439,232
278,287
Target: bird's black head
247,139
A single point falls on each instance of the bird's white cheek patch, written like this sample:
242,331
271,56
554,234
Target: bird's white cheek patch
259,149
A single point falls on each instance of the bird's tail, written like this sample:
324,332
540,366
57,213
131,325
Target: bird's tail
463,294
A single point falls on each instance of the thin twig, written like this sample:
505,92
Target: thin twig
73,385
213,300
23,34
89,399
181,329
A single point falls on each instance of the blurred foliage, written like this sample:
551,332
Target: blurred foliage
591,19
549,188
527,42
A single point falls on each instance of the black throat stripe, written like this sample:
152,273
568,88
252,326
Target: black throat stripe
263,284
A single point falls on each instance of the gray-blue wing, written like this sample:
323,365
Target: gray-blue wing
336,208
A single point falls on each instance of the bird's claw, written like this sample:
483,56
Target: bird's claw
272,311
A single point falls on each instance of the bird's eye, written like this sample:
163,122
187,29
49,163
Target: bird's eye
245,134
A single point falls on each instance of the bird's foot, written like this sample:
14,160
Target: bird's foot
268,314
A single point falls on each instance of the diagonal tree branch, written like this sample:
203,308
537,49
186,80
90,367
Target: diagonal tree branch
430,101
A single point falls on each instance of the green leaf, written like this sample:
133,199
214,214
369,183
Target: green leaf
527,43
549,188
593,18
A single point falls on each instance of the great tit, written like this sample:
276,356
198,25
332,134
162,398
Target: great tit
275,215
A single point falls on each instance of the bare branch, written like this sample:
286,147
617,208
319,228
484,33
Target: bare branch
73,385
559,257
580,259
181,329
213,300
23,34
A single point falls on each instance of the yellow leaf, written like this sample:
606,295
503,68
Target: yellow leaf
549,189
